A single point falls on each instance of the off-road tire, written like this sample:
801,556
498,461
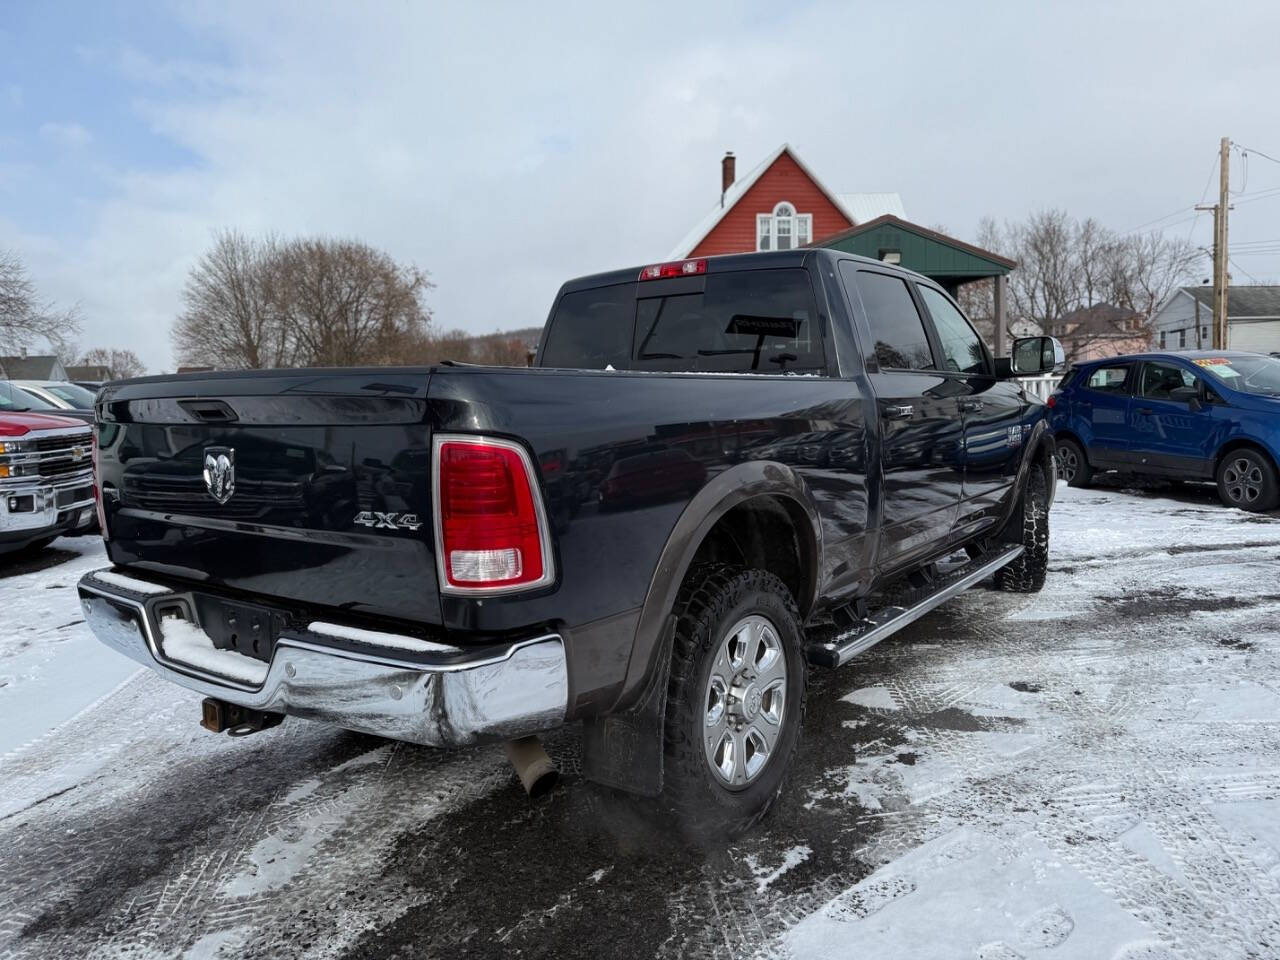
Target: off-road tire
1257,491
1029,526
713,599
1073,465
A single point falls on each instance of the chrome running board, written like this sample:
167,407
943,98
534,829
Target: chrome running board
867,632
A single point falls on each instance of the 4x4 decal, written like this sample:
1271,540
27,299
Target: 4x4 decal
388,521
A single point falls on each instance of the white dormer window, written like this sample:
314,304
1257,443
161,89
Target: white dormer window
783,229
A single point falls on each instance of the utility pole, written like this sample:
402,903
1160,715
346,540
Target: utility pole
1220,247
1220,276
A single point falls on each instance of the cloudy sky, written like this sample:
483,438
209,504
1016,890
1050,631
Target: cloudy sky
506,148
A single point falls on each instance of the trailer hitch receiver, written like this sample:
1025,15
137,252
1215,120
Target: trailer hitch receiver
238,721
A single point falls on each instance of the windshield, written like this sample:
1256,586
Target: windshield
1248,374
15,400
77,396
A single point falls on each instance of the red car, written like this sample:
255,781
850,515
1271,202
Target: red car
46,477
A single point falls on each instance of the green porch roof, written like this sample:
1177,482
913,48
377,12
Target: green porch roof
923,250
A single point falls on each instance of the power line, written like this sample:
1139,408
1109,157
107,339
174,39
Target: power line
1182,209
1266,156
1204,194
1242,269
1244,157
1259,195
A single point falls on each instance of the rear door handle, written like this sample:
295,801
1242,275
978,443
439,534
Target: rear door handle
898,412
971,406
1146,410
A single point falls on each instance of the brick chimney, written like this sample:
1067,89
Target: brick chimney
727,172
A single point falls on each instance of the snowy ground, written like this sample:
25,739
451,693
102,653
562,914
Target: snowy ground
1093,772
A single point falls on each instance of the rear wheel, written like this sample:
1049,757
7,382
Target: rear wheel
735,703
1247,479
1073,467
1029,526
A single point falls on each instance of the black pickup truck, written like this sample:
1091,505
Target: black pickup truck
720,473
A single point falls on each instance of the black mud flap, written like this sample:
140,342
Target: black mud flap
624,750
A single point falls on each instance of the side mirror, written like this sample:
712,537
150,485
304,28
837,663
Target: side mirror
1034,356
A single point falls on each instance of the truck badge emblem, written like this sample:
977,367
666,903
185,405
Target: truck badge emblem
220,472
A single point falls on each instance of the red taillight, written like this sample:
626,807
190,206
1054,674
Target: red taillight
677,268
1052,400
491,534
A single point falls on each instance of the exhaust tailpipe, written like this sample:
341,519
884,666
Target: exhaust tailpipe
537,772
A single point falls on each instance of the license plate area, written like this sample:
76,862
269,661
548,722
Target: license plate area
246,628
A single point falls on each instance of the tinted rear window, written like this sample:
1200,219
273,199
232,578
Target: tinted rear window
759,321
591,329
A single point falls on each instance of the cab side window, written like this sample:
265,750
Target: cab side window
1109,380
1159,380
962,350
897,329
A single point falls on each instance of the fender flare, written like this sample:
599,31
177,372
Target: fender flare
738,484
623,748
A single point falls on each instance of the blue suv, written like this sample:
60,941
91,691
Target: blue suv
1189,416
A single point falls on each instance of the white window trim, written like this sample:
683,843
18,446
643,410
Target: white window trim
772,220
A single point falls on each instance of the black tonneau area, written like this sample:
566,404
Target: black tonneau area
303,463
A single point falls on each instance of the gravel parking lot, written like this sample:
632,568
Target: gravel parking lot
1091,772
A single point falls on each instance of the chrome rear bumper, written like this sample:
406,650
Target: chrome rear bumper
447,696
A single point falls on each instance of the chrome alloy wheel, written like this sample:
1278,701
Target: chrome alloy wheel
745,701
1068,464
1242,480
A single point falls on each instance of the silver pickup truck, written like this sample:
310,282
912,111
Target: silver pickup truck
46,478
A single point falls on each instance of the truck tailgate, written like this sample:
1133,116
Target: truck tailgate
306,486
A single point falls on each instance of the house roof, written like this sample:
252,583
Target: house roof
1099,319
891,220
739,188
31,368
1253,300
89,372
862,207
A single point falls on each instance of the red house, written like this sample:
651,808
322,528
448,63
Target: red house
780,204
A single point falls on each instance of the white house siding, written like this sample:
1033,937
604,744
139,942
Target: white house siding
1176,320
1258,336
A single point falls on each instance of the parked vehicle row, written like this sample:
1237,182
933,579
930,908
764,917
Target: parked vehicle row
720,473
1203,415
63,397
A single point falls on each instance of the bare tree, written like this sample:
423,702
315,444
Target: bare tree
1082,281
304,302
344,303
120,364
26,320
229,318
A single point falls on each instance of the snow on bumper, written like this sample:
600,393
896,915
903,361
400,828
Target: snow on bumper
440,696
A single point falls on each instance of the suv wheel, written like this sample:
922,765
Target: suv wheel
1029,526
1246,479
735,703
1073,467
